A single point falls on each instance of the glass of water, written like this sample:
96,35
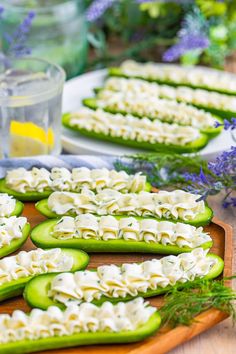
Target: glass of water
30,107
58,32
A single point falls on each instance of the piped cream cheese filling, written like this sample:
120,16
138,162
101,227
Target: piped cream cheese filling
59,178
26,264
11,229
53,322
106,228
155,108
196,76
130,278
7,205
182,93
132,128
177,204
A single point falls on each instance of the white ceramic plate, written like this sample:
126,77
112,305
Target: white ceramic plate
82,87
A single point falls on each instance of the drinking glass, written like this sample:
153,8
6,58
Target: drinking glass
58,32
30,107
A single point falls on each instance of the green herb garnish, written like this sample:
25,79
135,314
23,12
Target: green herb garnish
182,305
163,169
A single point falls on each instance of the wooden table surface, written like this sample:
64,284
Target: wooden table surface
221,338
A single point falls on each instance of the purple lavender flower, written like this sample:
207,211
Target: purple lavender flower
186,43
97,9
192,36
17,41
221,175
229,202
225,164
227,124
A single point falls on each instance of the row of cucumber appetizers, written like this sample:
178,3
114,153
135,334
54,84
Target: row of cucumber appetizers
95,211
157,107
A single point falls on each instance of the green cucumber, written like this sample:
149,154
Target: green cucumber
18,209
16,243
36,291
115,71
27,197
36,196
225,114
16,287
199,220
41,237
92,103
83,338
194,146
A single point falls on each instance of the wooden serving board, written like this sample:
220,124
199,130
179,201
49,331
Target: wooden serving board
166,338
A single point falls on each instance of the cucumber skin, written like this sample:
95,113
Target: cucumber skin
30,346
116,71
204,139
16,287
95,246
215,111
42,282
25,197
15,244
42,207
36,196
18,209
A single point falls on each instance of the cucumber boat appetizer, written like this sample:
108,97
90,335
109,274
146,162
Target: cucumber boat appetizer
126,234
13,234
154,108
16,271
122,283
39,183
176,75
141,133
86,324
220,104
10,206
177,205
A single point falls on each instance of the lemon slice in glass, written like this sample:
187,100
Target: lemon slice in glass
28,139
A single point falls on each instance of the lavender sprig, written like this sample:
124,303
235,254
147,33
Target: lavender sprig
227,124
97,9
192,36
17,41
187,42
221,176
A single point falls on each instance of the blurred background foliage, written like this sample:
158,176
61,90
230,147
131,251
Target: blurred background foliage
192,32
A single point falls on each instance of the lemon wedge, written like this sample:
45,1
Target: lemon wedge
28,139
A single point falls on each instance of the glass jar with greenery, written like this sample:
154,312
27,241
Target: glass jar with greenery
58,32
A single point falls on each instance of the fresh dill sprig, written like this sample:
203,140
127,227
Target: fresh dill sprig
183,304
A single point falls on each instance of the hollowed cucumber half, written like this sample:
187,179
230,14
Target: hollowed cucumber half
92,103
200,220
36,291
194,146
36,196
26,197
42,237
116,71
84,338
15,243
16,287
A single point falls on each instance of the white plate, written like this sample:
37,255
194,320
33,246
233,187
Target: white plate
82,87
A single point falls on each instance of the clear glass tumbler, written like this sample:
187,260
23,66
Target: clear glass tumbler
30,107
58,32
